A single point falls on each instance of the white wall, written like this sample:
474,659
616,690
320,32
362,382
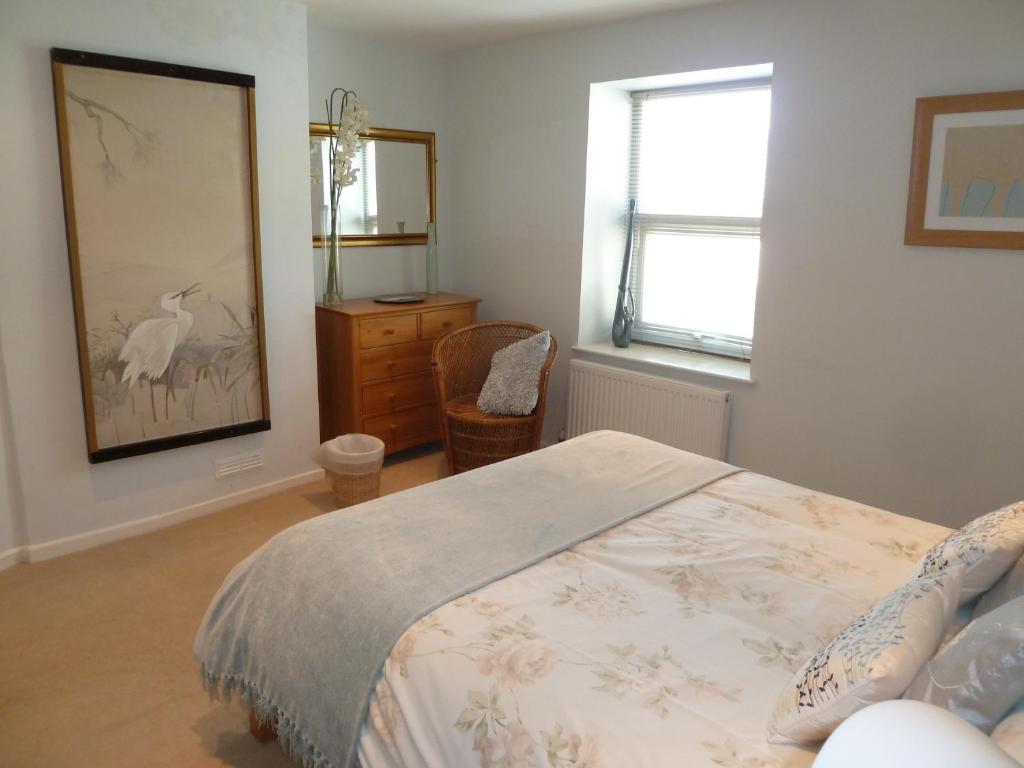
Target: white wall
63,495
7,505
401,86
604,219
886,373
11,521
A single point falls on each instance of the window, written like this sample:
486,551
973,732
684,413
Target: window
369,187
697,168
358,203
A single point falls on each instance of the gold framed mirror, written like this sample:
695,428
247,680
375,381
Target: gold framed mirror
394,197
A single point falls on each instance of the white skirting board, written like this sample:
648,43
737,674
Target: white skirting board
33,553
11,557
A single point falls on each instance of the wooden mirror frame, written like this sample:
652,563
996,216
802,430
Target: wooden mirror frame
426,138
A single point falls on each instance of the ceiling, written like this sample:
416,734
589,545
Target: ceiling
454,24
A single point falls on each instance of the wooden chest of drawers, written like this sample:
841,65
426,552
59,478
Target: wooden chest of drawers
373,366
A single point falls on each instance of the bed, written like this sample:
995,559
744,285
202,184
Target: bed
663,640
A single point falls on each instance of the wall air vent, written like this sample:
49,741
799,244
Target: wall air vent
234,465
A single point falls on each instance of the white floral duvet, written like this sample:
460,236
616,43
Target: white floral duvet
662,642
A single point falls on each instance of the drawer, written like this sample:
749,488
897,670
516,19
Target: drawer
397,394
406,428
382,331
396,360
444,321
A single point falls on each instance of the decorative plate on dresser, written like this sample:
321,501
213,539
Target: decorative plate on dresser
373,366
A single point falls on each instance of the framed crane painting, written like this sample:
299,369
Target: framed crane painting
158,163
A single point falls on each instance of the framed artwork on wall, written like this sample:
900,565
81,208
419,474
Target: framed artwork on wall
967,172
161,209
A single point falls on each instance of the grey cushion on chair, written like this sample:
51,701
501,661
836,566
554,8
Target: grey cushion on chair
511,386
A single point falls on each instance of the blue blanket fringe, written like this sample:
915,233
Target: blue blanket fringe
295,744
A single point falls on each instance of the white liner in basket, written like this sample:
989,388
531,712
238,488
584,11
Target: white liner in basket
353,464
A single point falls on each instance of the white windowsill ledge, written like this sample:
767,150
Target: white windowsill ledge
671,359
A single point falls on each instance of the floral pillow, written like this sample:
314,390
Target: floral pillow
873,659
986,547
1008,588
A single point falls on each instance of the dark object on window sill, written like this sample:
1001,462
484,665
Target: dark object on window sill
625,310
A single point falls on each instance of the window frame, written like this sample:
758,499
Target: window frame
729,226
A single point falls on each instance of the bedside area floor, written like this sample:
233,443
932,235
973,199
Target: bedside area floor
96,664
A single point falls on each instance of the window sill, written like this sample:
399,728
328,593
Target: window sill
671,359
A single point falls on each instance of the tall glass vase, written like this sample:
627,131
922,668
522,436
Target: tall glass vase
431,258
332,257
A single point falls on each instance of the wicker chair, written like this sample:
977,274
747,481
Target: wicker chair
461,362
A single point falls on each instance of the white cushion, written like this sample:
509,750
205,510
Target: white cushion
979,675
873,659
909,734
986,547
1009,734
1010,586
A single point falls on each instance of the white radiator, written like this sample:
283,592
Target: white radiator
683,415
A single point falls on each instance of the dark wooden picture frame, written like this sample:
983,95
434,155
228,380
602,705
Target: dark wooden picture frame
209,359
973,231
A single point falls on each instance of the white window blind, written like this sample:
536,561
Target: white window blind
697,166
369,185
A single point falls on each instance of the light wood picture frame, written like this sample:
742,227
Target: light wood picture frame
161,208
967,172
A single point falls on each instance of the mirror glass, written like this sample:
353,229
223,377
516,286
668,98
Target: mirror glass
391,199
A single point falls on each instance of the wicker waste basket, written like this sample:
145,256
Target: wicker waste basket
352,463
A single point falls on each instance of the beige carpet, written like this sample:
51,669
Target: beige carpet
96,666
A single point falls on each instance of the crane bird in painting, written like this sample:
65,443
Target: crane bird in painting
148,349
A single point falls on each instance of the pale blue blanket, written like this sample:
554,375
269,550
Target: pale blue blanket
301,628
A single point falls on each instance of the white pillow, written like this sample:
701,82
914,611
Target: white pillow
1003,591
873,659
1009,734
908,734
979,675
987,547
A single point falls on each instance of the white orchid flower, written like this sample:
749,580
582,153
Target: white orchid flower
353,121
